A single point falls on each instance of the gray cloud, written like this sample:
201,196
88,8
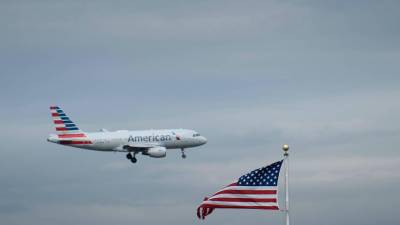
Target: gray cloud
322,77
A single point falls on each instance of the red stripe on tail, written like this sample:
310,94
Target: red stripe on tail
75,142
71,135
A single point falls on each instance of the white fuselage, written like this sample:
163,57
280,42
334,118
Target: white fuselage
120,140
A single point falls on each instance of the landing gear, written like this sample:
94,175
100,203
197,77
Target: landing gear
183,153
131,157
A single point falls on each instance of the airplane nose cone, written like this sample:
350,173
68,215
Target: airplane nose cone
203,140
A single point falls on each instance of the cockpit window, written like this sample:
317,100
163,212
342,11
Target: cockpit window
196,135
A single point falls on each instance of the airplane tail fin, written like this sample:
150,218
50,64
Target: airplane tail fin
65,128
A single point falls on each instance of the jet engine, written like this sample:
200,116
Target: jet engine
156,152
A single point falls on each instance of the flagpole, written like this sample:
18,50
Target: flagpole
285,148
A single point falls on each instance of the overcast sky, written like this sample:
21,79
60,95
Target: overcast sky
322,76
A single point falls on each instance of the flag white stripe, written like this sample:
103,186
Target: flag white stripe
243,196
241,203
250,188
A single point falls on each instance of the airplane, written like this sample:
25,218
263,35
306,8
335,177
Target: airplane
153,143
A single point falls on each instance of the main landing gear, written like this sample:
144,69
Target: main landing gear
131,157
183,153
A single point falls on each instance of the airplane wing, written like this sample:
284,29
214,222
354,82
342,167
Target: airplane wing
139,147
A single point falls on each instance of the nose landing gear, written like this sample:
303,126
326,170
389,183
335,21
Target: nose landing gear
131,157
183,153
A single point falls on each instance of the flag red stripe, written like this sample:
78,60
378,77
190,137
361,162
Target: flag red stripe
58,122
54,114
71,135
61,128
239,207
243,199
247,192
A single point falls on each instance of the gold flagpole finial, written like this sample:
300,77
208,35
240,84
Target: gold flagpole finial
285,148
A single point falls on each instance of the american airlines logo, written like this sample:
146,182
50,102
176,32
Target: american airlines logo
153,138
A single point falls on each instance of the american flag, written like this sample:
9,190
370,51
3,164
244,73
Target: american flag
255,190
